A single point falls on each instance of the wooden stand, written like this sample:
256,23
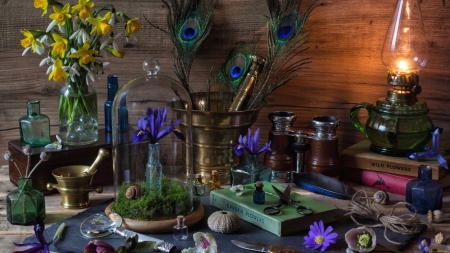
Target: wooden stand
68,155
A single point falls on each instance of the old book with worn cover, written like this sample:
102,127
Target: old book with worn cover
284,223
359,156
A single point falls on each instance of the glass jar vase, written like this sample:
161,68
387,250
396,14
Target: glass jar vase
77,111
250,172
34,127
24,204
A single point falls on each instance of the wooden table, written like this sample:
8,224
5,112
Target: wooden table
55,213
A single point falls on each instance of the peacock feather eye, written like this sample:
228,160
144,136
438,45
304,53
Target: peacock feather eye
237,66
189,31
286,28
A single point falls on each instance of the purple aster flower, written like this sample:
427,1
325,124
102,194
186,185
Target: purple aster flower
432,152
318,237
150,126
250,144
424,244
42,246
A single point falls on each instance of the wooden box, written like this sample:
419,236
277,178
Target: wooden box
68,155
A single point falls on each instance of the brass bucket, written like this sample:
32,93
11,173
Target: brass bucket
214,135
74,185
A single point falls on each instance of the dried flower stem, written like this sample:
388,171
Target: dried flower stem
35,166
28,164
17,167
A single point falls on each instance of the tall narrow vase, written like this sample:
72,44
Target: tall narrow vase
153,171
78,119
25,204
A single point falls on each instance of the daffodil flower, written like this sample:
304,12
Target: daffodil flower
83,8
133,26
43,4
60,46
58,74
101,25
60,16
84,55
119,53
30,41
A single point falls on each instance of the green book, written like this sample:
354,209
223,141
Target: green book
288,221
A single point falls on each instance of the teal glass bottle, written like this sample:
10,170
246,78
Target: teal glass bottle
25,204
34,127
112,87
424,193
259,194
250,172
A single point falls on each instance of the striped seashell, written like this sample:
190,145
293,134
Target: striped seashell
224,222
381,197
133,192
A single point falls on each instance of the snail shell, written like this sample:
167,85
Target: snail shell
224,222
381,197
133,192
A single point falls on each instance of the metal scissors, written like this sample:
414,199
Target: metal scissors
286,199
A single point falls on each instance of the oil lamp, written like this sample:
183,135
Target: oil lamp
399,123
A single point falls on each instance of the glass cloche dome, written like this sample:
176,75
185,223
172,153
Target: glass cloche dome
152,148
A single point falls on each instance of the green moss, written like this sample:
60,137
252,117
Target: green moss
152,205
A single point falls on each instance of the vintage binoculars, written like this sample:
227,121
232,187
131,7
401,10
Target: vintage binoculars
289,146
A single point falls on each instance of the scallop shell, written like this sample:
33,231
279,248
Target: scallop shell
133,192
381,197
224,222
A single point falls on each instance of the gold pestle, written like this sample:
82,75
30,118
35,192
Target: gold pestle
102,154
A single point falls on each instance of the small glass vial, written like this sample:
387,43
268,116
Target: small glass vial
424,193
180,231
112,90
214,183
199,186
35,127
259,195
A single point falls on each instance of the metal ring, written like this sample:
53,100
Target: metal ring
300,210
272,210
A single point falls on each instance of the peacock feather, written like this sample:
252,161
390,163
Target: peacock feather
189,23
236,66
286,36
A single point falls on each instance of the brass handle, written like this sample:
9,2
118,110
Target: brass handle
276,248
98,189
51,186
102,154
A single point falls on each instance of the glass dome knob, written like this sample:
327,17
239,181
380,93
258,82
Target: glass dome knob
151,66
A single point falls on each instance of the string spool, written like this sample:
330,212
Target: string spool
403,224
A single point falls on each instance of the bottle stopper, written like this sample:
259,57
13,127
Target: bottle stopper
259,184
198,175
180,220
214,172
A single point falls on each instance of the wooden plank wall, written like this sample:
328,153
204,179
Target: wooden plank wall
345,47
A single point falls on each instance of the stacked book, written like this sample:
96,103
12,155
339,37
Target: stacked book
391,174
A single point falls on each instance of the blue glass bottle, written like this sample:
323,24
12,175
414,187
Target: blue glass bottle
259,194
122,112
112,90
424,192
34,127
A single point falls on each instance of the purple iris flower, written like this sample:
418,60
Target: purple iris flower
424,244
150,126
250,144
42,245
432,152
319,237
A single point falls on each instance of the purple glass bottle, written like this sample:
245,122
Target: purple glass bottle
424,192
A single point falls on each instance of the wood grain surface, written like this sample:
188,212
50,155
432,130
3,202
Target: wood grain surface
345,48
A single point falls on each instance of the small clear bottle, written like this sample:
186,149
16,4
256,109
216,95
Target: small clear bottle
180,231
199,186
214,183
424,193
34,127
112,90
259,195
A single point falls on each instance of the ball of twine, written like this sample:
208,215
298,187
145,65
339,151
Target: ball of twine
403,224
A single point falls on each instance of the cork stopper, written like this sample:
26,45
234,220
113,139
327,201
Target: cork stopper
259,184
180,220
214,172
198,175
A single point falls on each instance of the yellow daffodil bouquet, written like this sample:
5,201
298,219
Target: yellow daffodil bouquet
77,38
